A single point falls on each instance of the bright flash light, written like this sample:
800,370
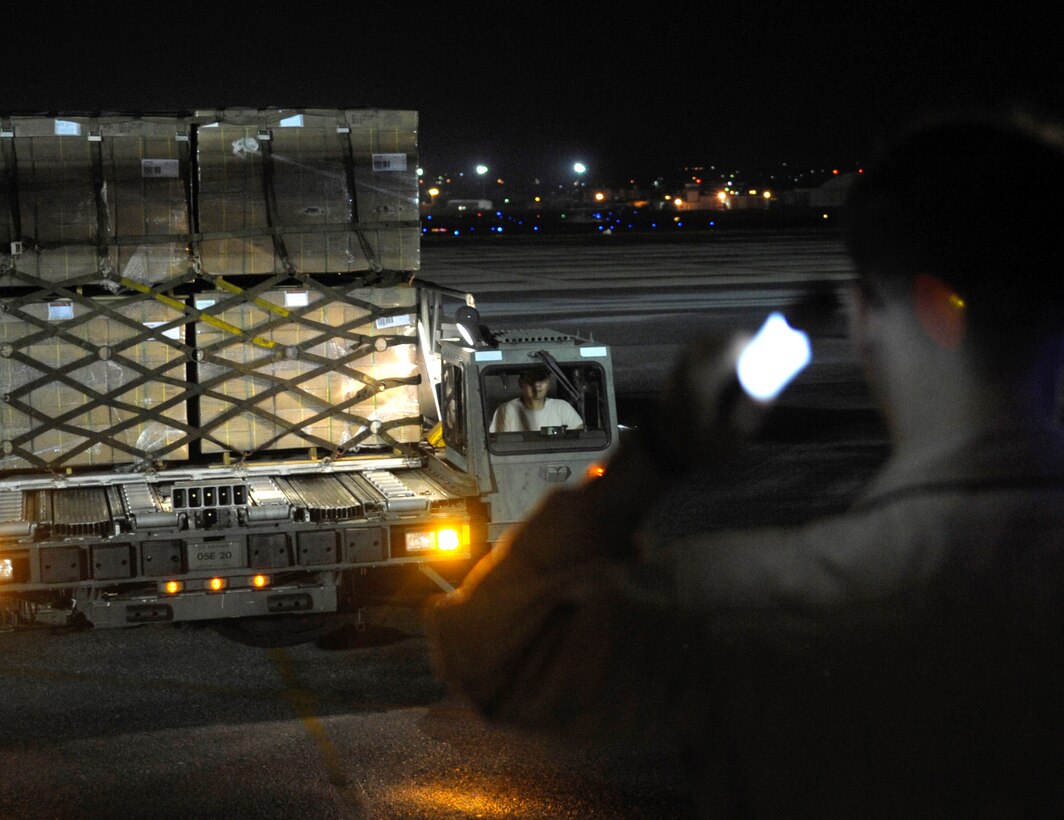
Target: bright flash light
599,197
260,581
173,587
434,191
482,169
677,202
447,540
7,569
216,584
595,471
767,195
775,355
579,167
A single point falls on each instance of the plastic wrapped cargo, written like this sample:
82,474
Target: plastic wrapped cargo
343,191
308,368
189,287
230,192
81,195
91,383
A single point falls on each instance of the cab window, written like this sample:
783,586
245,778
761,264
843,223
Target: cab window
452,402
531,408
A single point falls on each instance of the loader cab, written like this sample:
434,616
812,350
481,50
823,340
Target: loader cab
532,413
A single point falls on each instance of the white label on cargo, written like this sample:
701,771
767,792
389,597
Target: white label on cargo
173,333
203,304
592,352
160,168
394,321
389,162
60,311
67,128
295,121
296,298
488,356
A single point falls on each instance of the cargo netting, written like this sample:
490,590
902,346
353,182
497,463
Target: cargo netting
221,286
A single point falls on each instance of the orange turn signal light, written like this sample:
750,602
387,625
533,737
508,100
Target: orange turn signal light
173,587
260,581
596,471
217,584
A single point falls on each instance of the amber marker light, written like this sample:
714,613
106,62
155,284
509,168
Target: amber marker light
595,471
216,584
260,581
173,587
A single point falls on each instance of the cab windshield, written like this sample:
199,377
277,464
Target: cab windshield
548,406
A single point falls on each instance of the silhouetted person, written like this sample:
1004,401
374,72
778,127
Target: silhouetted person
904,659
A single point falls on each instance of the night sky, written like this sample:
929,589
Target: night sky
629,93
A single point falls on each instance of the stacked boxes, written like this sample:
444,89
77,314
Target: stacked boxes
297,375
54,198
310,160
145,213
143,162
81,370
92,188
314,191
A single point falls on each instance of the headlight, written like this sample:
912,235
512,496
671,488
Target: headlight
449,538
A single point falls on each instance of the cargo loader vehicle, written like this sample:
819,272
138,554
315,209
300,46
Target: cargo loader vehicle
226,395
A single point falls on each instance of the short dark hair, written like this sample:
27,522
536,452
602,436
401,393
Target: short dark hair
976,199
534,374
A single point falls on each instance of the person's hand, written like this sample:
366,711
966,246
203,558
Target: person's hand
704,415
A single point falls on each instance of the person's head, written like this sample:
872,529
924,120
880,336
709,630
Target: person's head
963,219
534,384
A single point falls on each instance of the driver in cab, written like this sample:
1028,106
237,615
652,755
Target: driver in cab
533,409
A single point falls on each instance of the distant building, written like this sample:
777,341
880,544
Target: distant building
832,194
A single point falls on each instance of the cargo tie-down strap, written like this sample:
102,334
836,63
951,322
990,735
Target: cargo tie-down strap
189,369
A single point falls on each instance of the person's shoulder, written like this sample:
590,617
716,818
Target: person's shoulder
561,405
504,414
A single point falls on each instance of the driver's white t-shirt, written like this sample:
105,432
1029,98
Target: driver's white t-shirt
514,417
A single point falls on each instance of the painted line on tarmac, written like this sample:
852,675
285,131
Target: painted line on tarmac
304,703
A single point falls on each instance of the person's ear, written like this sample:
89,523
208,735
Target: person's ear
940,311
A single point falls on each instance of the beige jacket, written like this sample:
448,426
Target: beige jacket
903,659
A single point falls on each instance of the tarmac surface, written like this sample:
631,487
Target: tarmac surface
168,722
